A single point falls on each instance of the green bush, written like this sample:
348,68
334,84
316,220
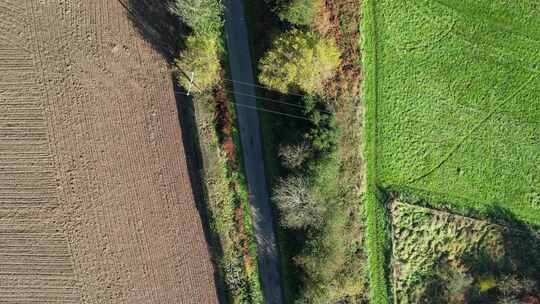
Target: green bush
299,12
200,57
299,60
324,134
203,16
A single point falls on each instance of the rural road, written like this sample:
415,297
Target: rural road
250,136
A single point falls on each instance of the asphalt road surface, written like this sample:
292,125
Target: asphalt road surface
250,136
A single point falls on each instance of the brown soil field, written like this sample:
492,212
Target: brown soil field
96,204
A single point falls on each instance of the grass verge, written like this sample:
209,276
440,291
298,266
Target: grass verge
377,233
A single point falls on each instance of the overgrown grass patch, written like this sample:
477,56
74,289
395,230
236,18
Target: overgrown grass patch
439,257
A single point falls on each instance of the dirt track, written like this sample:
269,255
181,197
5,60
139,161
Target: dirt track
95,200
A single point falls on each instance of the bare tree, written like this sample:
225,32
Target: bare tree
294,156
297,205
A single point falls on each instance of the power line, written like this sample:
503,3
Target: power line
261,98
277,101
260,86
260,109
192,81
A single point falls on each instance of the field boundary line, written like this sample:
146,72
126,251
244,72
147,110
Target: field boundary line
375,204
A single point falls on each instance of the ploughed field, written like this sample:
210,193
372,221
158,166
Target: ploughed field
96,204
458,102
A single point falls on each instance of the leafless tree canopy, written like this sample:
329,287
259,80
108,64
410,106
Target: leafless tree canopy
294,156
299,209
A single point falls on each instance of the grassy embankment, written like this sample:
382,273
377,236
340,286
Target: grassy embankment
226,198
451,90
224,186
324,264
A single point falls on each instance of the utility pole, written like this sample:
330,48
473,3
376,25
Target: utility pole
190,82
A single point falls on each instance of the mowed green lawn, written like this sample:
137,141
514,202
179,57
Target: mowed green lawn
456,109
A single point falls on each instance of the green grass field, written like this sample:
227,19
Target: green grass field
458,104
452,94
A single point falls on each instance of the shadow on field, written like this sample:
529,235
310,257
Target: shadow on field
522,244
164,32
515,275
157,25
192,148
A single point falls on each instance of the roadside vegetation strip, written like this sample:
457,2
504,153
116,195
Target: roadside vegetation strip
226,198
316,161
428,137
201,66
250,246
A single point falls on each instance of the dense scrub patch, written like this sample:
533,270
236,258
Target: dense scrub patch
444,258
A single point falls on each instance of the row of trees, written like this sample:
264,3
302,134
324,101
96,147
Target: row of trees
320,222
300,61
